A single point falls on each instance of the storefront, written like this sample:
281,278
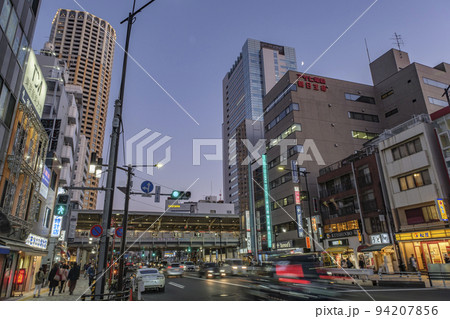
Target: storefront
338,251
427,247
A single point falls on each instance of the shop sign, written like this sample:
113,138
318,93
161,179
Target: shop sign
56,226
298,213
421,235
342,242
297,195
36,241
314,224
347,233
285,244
45,182
249,236
441,209
379,239
267,200
308,242
34,87
312,82
21,276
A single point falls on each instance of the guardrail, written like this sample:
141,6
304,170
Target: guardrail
438,276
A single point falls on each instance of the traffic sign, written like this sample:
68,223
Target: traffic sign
96,231
157,193
119,232
147,187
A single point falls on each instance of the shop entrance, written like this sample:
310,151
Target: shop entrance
430,252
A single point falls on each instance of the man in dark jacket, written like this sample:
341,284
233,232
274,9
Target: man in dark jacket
74,275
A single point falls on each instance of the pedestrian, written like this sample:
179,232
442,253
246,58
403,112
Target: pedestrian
349,263
53,279
91,274
38,281
413,263
86,267
73,276
343,263
63,273
362,264
447,259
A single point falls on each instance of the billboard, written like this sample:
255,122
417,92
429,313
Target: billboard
34,87
45,182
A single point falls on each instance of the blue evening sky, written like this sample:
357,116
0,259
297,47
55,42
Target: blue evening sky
188,46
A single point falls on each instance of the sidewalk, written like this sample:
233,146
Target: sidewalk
82,286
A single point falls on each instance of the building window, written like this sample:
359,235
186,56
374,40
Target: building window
387,94
434,83
47,216
421,215
359,98
294,128
414,180
364,135
363,117
391,112
282,115
438,102
406,149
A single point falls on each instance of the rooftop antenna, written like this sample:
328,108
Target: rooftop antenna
447,95
367,50
398,41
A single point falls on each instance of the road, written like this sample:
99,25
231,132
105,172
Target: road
192,288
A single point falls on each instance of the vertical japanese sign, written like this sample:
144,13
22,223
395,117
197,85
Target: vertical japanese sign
248,231
299,213
56,226
266,200
441,209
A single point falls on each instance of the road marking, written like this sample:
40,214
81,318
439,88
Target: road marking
176,285
381,290
218,281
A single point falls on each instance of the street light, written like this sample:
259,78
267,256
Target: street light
305,174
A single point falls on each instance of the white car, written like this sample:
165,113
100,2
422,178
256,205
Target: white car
151,278
188,266
234,266
174,270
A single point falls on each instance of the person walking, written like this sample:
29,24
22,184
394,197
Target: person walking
349,263
361,262
413,263
53,279
63,273
73,276
38,281
447,259
91,274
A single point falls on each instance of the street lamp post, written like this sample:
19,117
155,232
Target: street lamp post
305,174
113,155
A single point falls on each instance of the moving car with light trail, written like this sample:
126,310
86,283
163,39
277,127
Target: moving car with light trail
174,269
211,270
234,266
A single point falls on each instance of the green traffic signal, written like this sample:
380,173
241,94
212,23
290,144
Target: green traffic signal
175,194
180,195
60,210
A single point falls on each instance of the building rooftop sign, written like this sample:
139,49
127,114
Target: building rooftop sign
34,88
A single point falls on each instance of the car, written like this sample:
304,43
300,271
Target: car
234,266
163,264
151,278
174,269
211,270
188,266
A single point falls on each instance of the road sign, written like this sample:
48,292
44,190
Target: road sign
96,231
119,232
147,187
157,193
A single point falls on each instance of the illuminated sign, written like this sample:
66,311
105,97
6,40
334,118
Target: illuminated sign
297,195
298,213
308,242
314,224
266,200
347,233
312,82
34,87
441,209
421,235
20,276
249,237
56,226
379,239
174,206
36,241
45,182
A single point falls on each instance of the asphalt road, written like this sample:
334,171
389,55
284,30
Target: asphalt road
192,288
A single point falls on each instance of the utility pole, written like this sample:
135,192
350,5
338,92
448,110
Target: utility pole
124,226
311,232
112,163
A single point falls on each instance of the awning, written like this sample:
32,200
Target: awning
21,246
4,250
377,247
361,247
336,249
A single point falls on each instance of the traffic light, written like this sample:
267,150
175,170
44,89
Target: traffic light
180,195
189,249
62,204
153,254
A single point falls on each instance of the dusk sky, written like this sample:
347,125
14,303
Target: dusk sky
188,46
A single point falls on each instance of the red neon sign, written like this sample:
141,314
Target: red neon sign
20,276
311,82
297,195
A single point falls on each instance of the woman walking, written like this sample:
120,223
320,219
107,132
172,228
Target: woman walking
38,281
53,279
63,273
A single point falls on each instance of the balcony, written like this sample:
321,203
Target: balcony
67,155
365,180
70,135
64,175
330,191
369,205
73,115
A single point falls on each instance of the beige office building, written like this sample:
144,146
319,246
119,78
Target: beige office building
86,42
